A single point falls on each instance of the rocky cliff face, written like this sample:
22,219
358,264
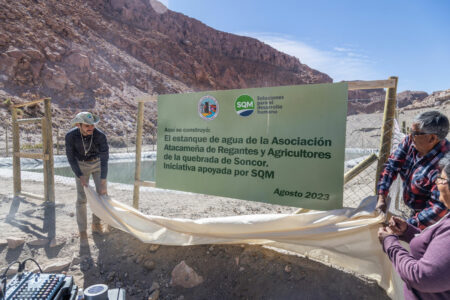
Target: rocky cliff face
99,55
435,99
371,101
94,54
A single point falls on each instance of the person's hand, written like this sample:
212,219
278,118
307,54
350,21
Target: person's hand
103,190
383,232
381,204
397,225
83,181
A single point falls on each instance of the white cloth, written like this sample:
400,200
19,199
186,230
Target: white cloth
344,237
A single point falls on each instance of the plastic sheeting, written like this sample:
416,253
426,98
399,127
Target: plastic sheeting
344,237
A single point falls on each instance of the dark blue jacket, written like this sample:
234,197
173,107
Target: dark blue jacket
98,148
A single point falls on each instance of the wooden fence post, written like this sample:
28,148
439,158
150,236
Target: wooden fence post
48,164
16,149
57,140
137,170
387,129
6,141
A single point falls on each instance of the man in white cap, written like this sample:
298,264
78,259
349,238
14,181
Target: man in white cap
88,153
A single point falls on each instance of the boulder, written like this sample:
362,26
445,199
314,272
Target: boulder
13,242
38,242
55,78
57,266
79,60
183,275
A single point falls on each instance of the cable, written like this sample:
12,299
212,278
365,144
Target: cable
22,265
4,277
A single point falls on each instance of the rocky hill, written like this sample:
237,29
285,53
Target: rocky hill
370,101
99,55
94,54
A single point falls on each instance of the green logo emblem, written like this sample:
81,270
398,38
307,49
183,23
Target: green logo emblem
244,105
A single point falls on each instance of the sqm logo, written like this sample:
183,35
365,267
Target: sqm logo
208,107
244,105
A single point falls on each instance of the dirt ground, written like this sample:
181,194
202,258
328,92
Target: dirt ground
119,260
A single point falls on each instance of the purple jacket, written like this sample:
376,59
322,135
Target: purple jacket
426,270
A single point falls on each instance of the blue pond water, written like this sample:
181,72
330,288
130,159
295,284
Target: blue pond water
120,172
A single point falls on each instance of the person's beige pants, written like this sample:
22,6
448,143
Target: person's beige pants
88,168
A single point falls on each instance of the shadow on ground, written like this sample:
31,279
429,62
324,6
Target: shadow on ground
229,272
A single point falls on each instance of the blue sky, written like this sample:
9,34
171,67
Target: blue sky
348,40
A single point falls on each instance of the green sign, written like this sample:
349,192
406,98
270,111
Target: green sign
281,145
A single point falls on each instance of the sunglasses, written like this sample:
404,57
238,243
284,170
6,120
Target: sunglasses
441,180
416,133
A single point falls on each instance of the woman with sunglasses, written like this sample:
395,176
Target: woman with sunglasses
426,268
416,161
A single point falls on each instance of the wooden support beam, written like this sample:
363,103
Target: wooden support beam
373,84
137,170
387,129
16,148
30,103
6,141
147,98
47,142
31,120
145,183
31,195
359,168
31,155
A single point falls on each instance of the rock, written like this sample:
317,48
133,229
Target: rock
4,40
3,243
15,53
7,65
111,276
71,214
13,270
76,260
38,242
57,266
52,55
79,60
288,269
154,248
154,291
13,242
183,275
55,242
36,68
139,259
34,54
149,264
406,98
56,78
117,4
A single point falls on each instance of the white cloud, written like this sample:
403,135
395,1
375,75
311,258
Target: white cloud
340,63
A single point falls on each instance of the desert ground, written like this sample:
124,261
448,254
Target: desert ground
48,233
119,260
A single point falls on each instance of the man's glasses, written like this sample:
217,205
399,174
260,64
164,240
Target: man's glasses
441,180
